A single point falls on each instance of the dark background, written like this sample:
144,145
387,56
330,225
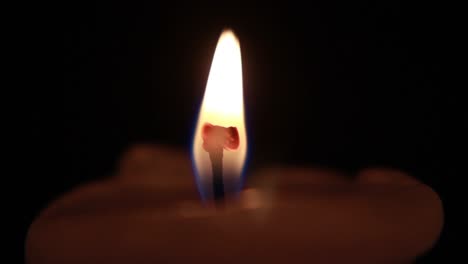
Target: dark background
343,85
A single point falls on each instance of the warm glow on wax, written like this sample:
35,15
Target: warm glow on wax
222,106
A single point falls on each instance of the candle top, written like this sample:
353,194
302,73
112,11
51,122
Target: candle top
294,214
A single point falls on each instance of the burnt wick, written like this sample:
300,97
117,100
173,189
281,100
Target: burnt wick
216,139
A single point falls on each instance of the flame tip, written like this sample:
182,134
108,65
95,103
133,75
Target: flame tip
228,30
229,33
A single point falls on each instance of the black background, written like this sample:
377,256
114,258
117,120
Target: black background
343,85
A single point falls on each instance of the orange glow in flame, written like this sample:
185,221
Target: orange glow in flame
222,106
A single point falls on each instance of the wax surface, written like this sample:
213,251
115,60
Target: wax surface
149,213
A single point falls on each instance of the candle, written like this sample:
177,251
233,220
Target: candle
150,212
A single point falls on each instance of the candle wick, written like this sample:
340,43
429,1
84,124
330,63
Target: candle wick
216,157
215,140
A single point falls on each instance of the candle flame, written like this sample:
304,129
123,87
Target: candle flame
222,107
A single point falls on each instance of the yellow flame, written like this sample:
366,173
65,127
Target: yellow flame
223,105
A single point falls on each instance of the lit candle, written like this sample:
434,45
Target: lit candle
150,212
